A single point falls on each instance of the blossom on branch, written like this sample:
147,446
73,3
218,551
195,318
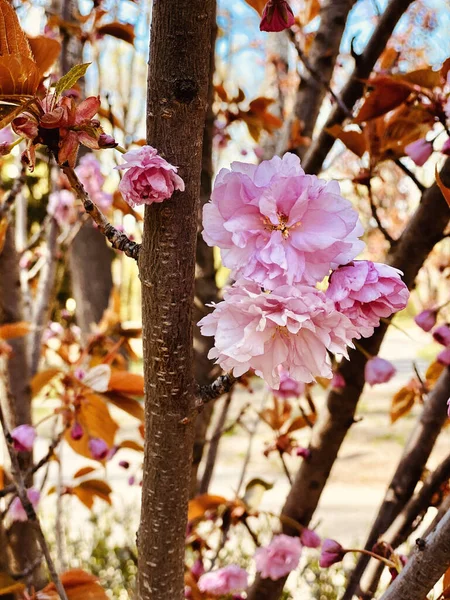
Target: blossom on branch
148,178
366,292
227,580
23,437
332,552
294,327
378,370
426,319
276,225
16,510
277,16
279,558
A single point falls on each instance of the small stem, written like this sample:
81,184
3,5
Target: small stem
362,350
375,215
285,468
120,149
410,174
386,561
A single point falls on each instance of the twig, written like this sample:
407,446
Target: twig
317,76
13,193
222,385
376,216
22,493
248,454
410,174
285,468
118,240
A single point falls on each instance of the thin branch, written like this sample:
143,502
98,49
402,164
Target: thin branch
376,216
119,241
316,75
11,196
285,468
410,174
222,385
19,481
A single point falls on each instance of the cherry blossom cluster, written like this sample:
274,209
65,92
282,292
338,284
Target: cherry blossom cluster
290,241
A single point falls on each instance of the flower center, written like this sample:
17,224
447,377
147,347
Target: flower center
282,225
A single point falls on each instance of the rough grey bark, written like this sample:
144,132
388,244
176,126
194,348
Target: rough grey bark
322,58
176,111
205,279
425,566
423,231
405,478
353,90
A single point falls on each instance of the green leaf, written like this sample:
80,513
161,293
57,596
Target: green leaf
69,79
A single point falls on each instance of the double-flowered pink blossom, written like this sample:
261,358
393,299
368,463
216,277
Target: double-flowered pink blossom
23,438
365,292
275,225
426,319
277,16
332,552
310,538
147,177
291,327
98,448
227,580
279,558
90,174
378,370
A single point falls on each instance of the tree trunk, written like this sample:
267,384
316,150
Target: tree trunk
424,230
177,102
425,567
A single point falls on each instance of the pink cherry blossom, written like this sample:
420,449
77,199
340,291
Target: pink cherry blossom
61,206
148,178
378,370
419,151
442,335
303,452
426,319
91,176
23,438
310,539
289,388
291,327
365,292
332,552
77,432
227,580
338,381
17,512
277,16
276,225
444,356
279,558
98,448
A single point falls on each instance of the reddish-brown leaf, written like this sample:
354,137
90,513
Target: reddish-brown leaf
426,78
127,383
41,379
199,505
386,95
127,404
19,75
258,5
88,490
79,585
121,31
301,422
131,445
13,40
45,51
83,471
354,140
402,402
445,190
11,331
8,585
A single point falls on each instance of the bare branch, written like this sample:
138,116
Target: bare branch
119,241
375,215
11,196
410,174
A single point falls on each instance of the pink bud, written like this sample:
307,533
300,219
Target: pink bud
378,370
310,539
446,148
98,448
124,464
332,552
197,569
277,16
23,437
442,335
444,356
106,141
426,319
131,480
16,510
419,151
303,452
77,432
338,382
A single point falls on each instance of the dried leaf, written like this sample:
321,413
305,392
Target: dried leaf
199,505
433,373
83,471
8,585
45,51
127,383
78,584
258,5
402,402
301,422
19,75
121,31
69,79
129,405
88,490
354,140
11,331
96,421
13,40
426,78
40,380
387,95
445,190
